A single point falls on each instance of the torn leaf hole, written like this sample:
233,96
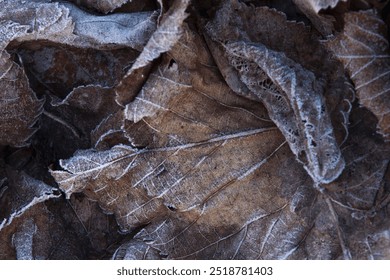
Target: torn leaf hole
172,208
172,63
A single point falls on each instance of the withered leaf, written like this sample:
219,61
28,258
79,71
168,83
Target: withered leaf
167,34
318,5
269,76
104,6
311,8
38,225
67,24
23,193
19,107
193,125
295,103
56,69
136,250
363,48
193,201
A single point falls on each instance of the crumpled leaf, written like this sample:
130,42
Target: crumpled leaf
60,23
104,6
270,78
167,34
311,8
364,50
23,193
65,23
191,164
295,103
19,107
38,226
191,199
318,5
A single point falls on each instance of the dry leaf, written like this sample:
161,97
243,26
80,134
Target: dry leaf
273,78
186,149
183,188
19,107
318,5
104,6
311,8
167,34
23,193
65,23
364,50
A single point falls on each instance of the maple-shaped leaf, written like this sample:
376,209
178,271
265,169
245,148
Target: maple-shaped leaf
363,48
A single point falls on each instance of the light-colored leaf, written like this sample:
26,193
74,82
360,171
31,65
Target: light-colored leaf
295,103
65,23
318,5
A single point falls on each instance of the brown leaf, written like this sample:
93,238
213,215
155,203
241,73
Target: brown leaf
39,226
136,250
167,34
19,107
273,82
311,8
186,154
104,6
24,192
364,50
197,202
57,69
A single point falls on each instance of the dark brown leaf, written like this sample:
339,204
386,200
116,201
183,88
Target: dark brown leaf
364,50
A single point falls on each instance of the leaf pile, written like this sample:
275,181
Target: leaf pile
176,129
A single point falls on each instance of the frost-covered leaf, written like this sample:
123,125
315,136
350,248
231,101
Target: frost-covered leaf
183,149
136,250
311,8
183,186
104,6
38,225
22,193
273,82
295,103
163,39
19,107
318,5
67,24
363,48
